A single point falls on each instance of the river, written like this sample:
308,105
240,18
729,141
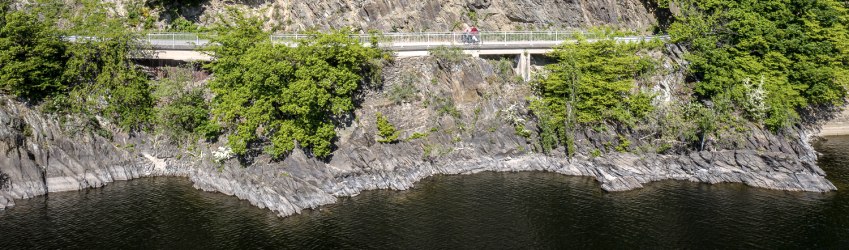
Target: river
485,210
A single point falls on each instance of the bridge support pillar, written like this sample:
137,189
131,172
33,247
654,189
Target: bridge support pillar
524,66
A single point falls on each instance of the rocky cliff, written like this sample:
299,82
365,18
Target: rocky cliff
431,15
454,118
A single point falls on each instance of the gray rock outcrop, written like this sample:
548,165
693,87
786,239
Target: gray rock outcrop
466,112
433,15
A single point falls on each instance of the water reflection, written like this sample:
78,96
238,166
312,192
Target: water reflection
487,210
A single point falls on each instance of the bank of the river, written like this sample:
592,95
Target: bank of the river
42,156
484,210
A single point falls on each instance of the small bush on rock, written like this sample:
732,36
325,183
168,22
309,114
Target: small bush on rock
386,130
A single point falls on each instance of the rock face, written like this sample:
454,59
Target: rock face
837,125
466,112
435,15
39,156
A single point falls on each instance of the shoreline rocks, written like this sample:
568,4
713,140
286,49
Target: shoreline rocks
40,155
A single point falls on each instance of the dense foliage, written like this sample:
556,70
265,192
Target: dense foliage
591,83
290,96
771,58
87,71
182,112
32,56
749,61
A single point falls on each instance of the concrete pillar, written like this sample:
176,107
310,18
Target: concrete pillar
527,76
523,68
520,60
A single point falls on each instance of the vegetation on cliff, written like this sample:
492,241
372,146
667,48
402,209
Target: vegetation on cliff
750,62
83,68
772,59
290,96
385,129
591,83
275,97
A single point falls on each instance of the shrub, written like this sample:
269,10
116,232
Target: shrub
445,106
403,92
186,116
417,135
595,153
624,143
448,55
386,130
504,69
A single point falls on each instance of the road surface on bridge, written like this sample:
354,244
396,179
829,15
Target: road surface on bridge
185,46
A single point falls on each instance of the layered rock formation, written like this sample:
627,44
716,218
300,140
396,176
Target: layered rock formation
434,15
465,112
39,155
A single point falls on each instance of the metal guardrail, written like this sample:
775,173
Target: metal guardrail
190,41
455,37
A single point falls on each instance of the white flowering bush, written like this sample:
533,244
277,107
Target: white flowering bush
222,154
511,114
756,98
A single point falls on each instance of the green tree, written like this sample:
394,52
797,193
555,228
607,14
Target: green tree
287,95
101,70
32,56
800,50
590,84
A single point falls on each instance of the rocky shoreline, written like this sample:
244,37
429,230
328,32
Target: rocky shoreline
290,193
300,182
40,155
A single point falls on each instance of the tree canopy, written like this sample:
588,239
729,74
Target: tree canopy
85,67
32,56
285,95
591,83
798,49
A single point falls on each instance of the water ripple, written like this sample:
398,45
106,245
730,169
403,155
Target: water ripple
486,210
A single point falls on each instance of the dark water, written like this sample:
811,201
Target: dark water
487,210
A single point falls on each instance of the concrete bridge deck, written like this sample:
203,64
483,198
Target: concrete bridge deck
185,46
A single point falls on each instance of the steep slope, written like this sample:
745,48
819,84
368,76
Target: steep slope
432,15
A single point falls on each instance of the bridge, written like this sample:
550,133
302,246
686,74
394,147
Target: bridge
522,44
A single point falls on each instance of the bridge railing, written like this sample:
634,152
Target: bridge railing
399,39
174,40
189,41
